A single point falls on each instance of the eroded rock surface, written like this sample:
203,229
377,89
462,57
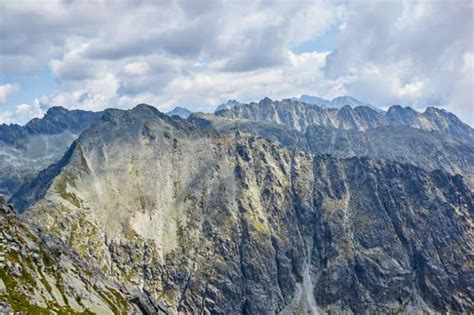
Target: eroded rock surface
40,274
430,150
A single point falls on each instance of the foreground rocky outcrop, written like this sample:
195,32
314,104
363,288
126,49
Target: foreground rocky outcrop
230,223
40,274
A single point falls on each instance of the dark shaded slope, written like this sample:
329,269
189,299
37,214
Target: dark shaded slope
430,150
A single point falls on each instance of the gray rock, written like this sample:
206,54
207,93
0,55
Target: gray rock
16,270
429,150
298,116
39,282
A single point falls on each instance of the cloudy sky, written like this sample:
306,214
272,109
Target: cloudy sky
197,54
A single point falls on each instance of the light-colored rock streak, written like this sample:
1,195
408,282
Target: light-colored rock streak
308,288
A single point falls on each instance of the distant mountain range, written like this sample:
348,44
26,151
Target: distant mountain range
338,102
179,111
275,207
429,150
298,116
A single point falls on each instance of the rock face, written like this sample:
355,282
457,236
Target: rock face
430,150
39,274
224,223
25,150
298,116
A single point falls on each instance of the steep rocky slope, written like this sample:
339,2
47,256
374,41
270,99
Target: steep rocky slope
25,150
297,115
39,274
229,223
430,150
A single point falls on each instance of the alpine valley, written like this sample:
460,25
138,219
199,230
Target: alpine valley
298,206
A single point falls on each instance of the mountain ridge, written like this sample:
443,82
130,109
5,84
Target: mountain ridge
337,102
56,120
243,225
297,115
426,149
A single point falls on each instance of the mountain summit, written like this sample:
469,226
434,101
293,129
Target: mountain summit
179,111
227,105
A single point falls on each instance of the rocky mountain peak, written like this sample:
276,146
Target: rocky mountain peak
228,105
345,109
145,108
56,110
401,109
337,102
25,150
266,101
395,108
179,111
347,100
58,119
434,110
298,115
315,100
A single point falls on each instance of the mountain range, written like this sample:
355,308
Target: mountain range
297,115
271,207
25,150
431,140
337,102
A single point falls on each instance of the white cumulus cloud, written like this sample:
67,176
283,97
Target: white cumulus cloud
7,89
22,113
